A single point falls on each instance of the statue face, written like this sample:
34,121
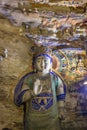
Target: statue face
43,64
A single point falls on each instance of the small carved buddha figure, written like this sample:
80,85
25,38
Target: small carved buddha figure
42,92
80,67
73,65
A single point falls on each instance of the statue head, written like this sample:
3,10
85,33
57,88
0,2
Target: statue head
42,60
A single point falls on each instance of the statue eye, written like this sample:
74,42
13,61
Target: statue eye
38,61
45,61
73,68
63,65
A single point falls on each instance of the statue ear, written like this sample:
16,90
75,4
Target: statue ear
51,64
50,67
34,67
35,70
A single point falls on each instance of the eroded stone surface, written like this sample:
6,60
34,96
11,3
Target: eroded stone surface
11,68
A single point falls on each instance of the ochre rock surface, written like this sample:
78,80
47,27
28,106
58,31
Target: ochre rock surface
12,68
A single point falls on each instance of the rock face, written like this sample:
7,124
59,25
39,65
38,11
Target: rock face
11,68
18,61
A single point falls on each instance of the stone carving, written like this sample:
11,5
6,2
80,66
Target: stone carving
42,92
3,53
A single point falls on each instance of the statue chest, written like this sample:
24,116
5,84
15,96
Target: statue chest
44,100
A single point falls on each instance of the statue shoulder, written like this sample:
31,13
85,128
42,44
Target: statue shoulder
30,77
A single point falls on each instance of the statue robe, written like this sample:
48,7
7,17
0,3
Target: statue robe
40,111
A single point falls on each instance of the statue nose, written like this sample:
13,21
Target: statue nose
42,63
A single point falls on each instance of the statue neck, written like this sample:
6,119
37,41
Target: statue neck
42,74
